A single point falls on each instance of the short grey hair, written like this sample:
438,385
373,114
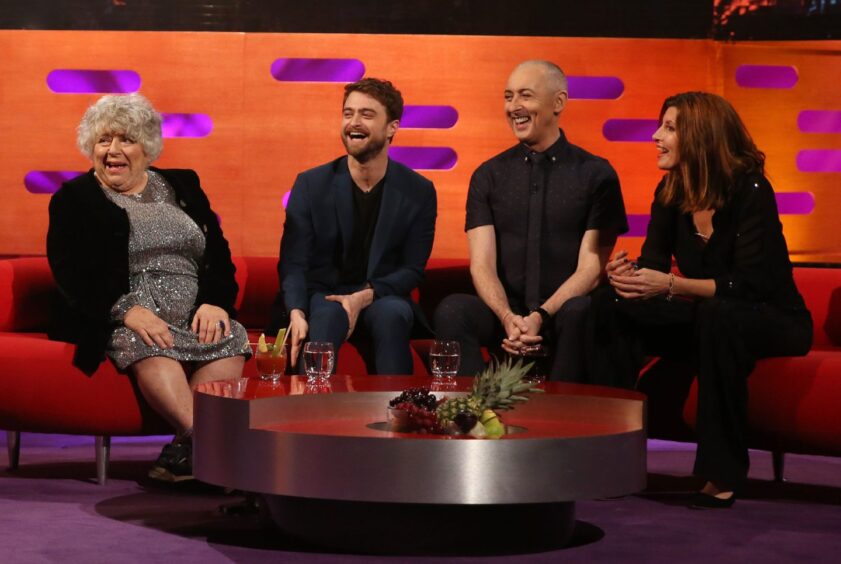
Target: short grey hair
554,75
129,114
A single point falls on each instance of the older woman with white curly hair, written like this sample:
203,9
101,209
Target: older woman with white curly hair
144,270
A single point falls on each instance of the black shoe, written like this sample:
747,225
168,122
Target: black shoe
175,463
706,501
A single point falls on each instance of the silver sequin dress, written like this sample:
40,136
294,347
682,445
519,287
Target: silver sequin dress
165,249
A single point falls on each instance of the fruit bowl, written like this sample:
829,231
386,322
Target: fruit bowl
398,420
418,410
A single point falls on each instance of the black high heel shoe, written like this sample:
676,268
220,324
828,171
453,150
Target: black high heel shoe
706,501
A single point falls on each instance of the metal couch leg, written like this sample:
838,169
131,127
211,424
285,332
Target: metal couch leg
778,460
103,451
13,444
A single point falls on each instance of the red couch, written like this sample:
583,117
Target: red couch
793,405
41,391
794,401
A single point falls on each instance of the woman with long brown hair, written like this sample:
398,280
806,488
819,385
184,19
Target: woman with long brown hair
734,299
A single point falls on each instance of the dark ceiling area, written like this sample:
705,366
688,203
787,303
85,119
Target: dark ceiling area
687,19
553,18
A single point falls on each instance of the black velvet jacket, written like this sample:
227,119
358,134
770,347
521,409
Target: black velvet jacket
87,248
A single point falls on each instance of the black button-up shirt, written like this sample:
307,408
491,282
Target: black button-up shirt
580,192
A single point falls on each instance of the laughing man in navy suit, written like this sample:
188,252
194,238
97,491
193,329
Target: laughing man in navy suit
357,236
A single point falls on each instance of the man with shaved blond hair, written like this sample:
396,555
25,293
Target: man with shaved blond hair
542,219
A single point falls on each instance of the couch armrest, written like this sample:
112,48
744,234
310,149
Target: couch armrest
26,292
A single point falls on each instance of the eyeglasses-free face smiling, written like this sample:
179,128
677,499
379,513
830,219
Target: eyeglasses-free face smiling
366,130
120,163
665,138
532,107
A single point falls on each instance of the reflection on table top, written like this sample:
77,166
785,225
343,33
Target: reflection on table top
252,388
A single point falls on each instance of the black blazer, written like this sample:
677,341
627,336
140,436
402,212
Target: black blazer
747,254
87,248
319,226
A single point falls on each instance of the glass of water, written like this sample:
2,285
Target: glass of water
319,359
444,359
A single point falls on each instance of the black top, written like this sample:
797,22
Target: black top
366,210
580,192
746,254
87,248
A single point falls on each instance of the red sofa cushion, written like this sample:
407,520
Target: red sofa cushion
793,404
41,387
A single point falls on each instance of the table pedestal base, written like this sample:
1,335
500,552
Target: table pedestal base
402,528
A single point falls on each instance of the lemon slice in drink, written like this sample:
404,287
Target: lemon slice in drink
261,344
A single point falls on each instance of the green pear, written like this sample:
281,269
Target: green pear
494,428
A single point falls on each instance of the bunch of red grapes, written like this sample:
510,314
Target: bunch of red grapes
419,405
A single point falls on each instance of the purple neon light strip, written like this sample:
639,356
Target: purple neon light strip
634,130
595,87
819,160
317,70
431,117
795,203
186,125
766,76
47,181
79,81
819,121
424,158
637,225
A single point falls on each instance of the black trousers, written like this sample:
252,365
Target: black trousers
722,338
465,318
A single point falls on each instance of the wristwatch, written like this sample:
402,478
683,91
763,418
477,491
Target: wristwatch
545,318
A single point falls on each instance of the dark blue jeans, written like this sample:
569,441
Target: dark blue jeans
381,334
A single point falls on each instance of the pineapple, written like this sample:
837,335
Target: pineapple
449,408
497,388
500,385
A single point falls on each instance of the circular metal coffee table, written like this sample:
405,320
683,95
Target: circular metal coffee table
331,475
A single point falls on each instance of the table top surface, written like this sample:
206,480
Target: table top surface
574,415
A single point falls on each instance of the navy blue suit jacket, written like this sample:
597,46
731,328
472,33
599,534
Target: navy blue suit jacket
319,226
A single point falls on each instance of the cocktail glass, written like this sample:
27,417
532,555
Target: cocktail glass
271,363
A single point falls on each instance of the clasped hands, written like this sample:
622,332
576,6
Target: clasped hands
210,324
522,331
632,283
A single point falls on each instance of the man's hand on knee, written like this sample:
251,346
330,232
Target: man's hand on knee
353,304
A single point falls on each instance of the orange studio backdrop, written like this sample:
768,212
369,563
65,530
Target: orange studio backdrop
248,122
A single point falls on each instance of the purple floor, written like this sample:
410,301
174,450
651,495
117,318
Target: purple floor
51,511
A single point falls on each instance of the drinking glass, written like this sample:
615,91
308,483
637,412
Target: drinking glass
271,363
319,358
444,359
539,355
